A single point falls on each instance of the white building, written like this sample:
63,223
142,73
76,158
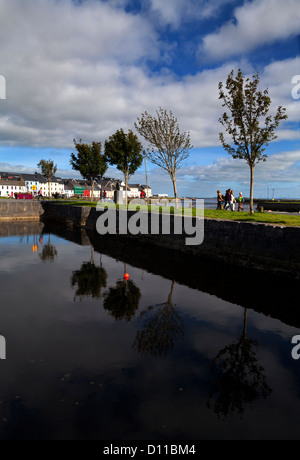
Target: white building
56,186
34,182
135,190
9,187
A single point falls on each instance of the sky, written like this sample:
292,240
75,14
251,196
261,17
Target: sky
85,68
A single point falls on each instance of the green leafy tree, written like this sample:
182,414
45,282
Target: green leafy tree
125,152
89,161
169,147
48,170
248,123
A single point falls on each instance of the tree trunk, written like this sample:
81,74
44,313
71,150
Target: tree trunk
175,189
251,188
92,255
49,195
126,183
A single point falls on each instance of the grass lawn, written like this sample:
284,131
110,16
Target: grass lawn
269,218
291,220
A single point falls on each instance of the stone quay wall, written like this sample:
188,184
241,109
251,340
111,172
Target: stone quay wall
270,247
280,206
11,209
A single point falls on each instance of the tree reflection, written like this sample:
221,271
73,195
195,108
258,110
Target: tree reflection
238,379
122,301
90,279
163,327
49,252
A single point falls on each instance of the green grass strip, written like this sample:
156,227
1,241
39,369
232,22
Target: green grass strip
265,217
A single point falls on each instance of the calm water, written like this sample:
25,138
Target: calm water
178,357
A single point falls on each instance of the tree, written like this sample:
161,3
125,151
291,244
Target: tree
124,151
89,161
249,125
48,170
168,146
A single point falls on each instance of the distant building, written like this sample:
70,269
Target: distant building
109,185
68,189
56,186
147,190
135,190
34,183
82,187
8,187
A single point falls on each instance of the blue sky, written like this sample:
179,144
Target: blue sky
83,69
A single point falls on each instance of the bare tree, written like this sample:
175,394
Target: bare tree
168,146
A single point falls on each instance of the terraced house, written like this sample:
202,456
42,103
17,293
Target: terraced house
9,185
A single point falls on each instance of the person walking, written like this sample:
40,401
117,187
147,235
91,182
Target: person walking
240,201
227,199
232,201
220,199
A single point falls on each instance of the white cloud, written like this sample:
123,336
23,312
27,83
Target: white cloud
176,12
280,167
255,24
81,71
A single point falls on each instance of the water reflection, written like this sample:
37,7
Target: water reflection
163,326
238,378
49,251
89,279
97,373
122,300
